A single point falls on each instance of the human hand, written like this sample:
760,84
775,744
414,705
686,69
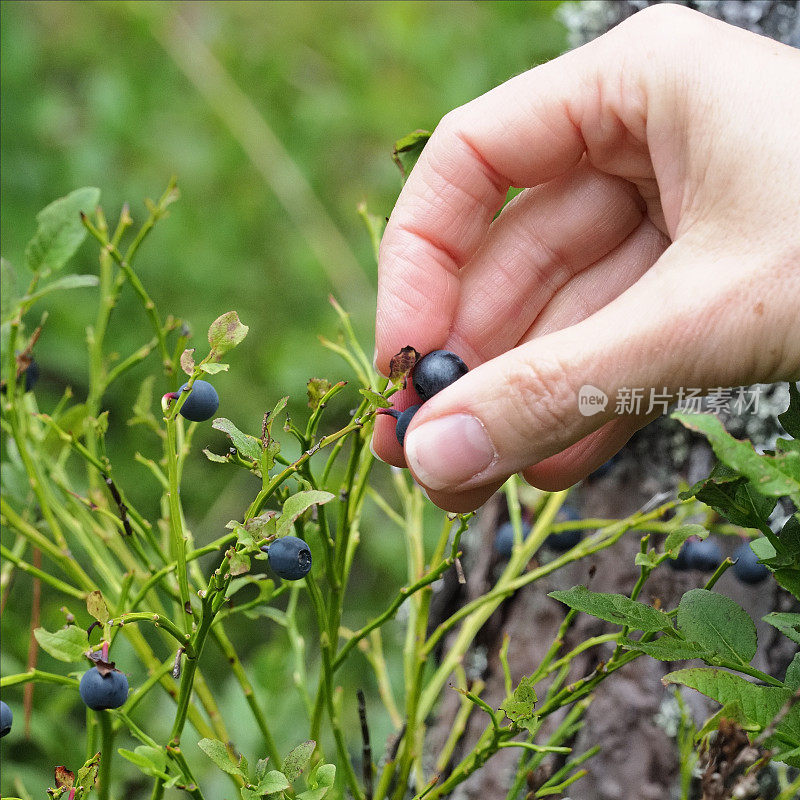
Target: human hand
658,248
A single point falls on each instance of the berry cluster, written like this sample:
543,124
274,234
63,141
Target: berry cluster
705,555
432,373
557,542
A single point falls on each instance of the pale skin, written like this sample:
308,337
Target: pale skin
658,245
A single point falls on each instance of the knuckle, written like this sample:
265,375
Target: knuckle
656,18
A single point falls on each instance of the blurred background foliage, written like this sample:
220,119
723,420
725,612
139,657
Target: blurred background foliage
123,95
278,119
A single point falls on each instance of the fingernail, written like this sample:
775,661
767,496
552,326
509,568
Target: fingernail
448,451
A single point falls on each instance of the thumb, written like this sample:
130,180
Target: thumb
536,400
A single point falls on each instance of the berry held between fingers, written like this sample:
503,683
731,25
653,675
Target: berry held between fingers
436,371
403,420
746,566
6,719
202,402
100,691
289,557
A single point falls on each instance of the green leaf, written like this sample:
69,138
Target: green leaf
377,400
214,457
220,755
261,768
213,369
323,775
248,446
787,623
316,389
150,760
239,563
615,608
279,406
97,607
769,475
519,707
298,504
250,794
407,151
375,227
187,361
263,525
62,284
666,648
759,704
789,579
676,538
87,774
648,559
717,624
225,333
790,419
273,782
733,497
792,679
297,760
68,644
60,230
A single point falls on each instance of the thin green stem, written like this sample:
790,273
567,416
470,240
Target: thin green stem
45,577
37,676
106,755
177,538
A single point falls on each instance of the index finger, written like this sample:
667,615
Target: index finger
521,133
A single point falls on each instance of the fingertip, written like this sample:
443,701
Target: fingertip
461,502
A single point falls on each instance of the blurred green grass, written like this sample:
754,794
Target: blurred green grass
91,96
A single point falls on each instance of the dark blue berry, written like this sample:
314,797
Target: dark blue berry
289,557
703,554
681,563
436,371
6,718
504,539
403,420
565,540
746,566
31,375
202,402
103,691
